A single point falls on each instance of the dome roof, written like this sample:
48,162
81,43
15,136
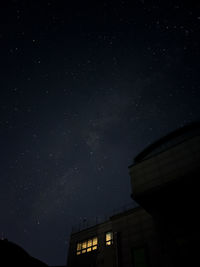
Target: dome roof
170,140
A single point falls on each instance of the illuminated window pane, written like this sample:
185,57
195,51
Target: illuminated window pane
79,246
94,241
84,245
89,243
109,238
87,246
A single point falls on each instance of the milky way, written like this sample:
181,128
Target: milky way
83,90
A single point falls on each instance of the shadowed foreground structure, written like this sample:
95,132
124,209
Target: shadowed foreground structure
13,255
164,230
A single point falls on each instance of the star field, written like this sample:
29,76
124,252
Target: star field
84,88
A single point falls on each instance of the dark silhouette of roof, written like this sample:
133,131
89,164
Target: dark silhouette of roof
169,140
13,255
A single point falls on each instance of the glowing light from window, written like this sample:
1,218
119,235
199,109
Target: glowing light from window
109,238
87,246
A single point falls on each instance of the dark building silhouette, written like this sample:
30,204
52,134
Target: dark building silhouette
13,255
164,229
164,181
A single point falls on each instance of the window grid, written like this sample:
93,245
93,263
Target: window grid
109,238
87,246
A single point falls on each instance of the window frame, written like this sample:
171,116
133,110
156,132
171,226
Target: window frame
80,249
109,242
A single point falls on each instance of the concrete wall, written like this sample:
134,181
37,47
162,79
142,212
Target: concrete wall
178,161
132,229
103,256
136,230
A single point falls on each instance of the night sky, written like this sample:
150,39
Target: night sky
84,88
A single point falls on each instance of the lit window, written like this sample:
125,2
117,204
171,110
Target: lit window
87,246
109,238
78,249
89,243
84,245
78,246
94,241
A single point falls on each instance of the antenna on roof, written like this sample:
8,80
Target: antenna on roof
2,236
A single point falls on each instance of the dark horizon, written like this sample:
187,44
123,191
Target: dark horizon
84,89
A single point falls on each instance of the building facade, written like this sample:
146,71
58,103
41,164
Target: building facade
164,229
123,240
